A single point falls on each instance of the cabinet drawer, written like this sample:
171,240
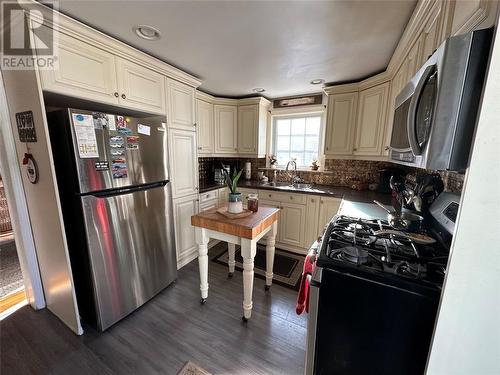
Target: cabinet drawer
282,197
208,196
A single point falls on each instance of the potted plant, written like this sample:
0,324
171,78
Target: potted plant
235,204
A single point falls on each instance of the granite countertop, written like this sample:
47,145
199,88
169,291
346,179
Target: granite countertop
323,190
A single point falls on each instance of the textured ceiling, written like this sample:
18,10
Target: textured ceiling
235,46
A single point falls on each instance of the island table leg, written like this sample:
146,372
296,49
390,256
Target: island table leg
231,247
202,241
270,249
248,250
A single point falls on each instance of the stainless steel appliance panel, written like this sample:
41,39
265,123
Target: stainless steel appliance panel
435,113
146,159
132,249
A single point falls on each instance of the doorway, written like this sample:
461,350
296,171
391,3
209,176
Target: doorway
12,290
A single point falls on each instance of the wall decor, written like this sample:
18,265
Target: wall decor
26,126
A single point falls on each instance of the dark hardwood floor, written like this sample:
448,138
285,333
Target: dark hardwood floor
166,332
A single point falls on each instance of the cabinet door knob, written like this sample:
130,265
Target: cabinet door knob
269,195
387,148
199,148
116,95
355,149
194,124
124,96
312,200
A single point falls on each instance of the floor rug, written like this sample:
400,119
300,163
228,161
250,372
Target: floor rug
11,279
287,268
191,369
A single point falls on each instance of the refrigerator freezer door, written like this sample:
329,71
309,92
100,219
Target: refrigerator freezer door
132,249
129,151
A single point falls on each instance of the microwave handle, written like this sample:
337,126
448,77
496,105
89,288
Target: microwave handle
412,111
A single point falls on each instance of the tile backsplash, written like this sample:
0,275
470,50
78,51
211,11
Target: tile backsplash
207,166
337,172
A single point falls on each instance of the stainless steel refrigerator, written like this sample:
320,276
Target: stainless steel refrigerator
113,180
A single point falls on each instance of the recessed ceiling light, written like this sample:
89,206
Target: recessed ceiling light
258,89
318,81
147,32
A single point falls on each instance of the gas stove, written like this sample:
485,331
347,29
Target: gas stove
353,243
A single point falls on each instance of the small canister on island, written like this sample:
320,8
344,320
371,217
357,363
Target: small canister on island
253,202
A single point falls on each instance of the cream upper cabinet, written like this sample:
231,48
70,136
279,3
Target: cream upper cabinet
205,126
181,106
328,208
341,122
248,129
185,241
292,224
83,71
429,38
226,118
371,120
183,162
140,87
414,60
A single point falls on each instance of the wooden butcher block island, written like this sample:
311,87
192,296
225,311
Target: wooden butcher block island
244,232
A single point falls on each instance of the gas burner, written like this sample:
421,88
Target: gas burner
357,237
351,254
414,270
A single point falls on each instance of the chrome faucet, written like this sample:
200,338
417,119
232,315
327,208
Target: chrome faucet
294,178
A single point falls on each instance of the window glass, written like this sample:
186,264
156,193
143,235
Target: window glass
297,137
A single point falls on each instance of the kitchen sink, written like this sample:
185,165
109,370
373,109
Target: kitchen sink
300,186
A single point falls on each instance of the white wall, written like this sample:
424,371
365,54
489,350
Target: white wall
467,336
23,93
18,210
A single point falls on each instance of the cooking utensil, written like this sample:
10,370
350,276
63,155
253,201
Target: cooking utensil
404,220
418,238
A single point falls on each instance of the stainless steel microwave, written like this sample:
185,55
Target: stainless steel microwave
435,114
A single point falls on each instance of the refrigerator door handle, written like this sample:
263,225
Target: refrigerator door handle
127,190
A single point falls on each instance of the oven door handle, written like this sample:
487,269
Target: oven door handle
412,111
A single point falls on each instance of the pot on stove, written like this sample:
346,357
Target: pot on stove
404,220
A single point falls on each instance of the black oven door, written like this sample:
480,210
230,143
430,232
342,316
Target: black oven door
421,110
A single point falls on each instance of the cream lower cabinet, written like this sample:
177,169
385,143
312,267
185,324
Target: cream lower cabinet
328,207
181,106
340,123
312,220
183,162
292,224
226,132
262,203
205,126
371,120
186,246
140,87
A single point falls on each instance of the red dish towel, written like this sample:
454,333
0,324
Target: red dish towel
303,297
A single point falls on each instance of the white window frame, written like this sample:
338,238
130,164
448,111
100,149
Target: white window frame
295,114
